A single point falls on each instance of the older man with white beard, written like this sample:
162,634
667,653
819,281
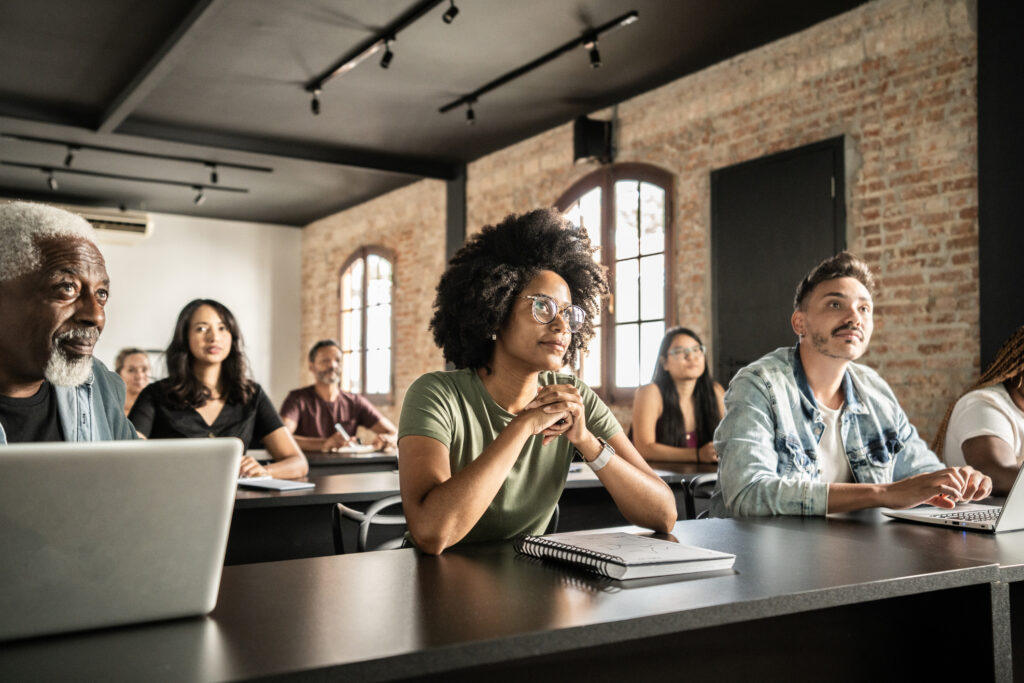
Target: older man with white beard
53,289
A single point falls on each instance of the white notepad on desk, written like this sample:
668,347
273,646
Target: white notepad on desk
359,449
620,555
274,484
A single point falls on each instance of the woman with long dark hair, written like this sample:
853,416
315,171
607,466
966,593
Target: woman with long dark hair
484,450
208,392
675,416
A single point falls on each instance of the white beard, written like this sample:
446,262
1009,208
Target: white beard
62,372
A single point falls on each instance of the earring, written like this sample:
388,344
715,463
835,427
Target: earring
494,337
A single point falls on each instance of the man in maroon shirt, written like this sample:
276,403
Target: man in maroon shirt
312,412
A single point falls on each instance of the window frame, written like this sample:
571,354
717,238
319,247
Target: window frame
605,178
389,256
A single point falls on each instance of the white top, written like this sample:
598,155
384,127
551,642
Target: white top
984,412
832,460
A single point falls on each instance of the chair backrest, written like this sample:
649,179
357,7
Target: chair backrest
373,516
702,486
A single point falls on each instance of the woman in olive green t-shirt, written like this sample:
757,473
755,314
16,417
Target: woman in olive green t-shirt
484,450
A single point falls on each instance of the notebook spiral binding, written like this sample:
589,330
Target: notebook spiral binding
538,546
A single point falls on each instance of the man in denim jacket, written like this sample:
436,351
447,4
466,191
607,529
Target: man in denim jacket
53,289
807,431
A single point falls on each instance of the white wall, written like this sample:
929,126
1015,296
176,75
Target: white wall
252,268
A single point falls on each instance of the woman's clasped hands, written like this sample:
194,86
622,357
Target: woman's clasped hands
557,410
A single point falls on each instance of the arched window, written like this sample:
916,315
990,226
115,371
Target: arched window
626,210
366,323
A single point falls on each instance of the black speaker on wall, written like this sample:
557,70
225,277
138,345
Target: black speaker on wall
592,140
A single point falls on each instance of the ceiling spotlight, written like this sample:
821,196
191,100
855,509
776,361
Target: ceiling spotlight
450,13
470,114
315,104
385,60
213,173
50,180
70,156
200,197
595,56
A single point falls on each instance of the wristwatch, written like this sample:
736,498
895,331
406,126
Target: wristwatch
602,458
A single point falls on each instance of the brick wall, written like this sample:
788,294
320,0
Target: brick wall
411,223
897,78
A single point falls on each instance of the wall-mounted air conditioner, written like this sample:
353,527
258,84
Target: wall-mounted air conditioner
114,226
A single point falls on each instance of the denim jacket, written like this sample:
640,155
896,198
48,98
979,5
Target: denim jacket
767,443
94,410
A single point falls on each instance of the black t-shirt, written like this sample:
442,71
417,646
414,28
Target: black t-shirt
155,417
32,419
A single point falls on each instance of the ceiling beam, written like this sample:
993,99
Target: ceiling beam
162,61
424,167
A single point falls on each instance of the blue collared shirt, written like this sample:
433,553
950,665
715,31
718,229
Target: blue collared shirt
93,410
767,443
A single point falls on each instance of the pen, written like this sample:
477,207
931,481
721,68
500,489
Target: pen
341,430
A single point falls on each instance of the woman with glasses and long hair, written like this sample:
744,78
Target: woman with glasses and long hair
984,427
208,392
675,416
484,450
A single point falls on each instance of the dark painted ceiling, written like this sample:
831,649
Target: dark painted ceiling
226,81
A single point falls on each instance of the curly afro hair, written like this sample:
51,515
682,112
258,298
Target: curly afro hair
484,277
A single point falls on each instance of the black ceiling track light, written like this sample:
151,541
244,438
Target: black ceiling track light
373,45
588,41
73,147
450,13
51,180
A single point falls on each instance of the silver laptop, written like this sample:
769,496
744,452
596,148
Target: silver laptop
1008,517
109,533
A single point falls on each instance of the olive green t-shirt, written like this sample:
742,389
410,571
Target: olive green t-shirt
456,409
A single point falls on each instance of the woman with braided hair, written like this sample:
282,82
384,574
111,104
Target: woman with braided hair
484,450
984,428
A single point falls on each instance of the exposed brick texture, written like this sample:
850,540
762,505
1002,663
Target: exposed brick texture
896,78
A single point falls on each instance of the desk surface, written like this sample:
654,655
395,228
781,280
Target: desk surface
1005,549
364,487
389,614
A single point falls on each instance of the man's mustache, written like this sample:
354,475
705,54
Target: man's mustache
848,326
90,334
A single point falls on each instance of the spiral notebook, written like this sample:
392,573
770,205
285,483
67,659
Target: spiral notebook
620,555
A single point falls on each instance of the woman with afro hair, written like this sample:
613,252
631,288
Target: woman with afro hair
484,450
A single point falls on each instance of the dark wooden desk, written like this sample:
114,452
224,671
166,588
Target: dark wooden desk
1005,549
798,606
275,525
324,464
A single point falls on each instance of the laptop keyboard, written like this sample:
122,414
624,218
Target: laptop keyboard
990,515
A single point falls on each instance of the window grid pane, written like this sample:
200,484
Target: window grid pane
369,309
652,287
652,219
627,291
650,339
627,201
627,355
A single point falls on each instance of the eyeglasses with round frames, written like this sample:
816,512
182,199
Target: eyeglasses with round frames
686,351
545,309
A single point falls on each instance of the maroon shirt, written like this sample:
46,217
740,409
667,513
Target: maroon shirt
315,417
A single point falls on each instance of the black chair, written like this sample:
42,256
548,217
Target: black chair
369,518
700,487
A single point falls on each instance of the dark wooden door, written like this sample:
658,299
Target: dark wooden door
772,220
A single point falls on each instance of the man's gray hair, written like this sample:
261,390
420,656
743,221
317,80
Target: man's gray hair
22,224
